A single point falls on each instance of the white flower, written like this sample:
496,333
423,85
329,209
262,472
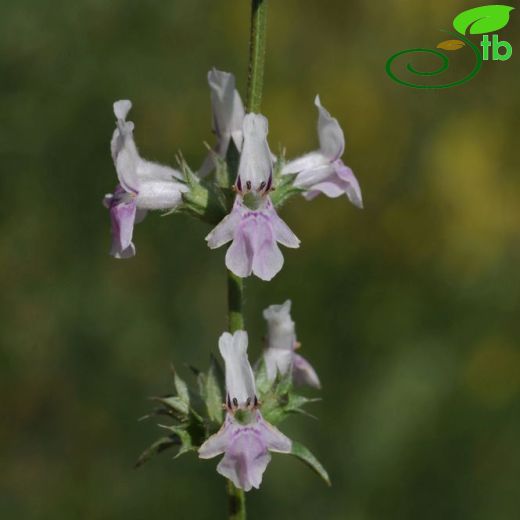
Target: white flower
280,356
143,185
323,171
245,438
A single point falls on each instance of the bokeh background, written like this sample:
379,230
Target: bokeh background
408,309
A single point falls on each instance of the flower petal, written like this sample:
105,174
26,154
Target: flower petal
352,189
150,171
332,140
277,361
273,438
160,194
281,333
224,231
121,108
308,178
308,161
227,107
255,169
283,234
217,443
239,256
267,257
122,216
240,381
126,166
331,188
304,373
245,462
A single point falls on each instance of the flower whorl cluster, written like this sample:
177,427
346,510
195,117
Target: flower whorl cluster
252,224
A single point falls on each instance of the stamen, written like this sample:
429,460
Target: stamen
235,401
269,183
262,186
248,402
255,402
228,402
248,185
239,184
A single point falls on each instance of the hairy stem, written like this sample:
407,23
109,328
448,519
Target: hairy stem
235,287
257,39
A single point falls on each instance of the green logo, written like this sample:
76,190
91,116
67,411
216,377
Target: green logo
480,20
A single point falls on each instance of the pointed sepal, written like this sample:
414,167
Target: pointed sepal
301,452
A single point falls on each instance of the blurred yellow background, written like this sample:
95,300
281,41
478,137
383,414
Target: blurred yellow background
407,309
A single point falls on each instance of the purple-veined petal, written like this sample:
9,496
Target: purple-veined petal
308,161
240,381
245,461
224,231
267,257
283,233
218,442
273,438
352,189
332,140
246,449
122,216
304,373
239,256
331,188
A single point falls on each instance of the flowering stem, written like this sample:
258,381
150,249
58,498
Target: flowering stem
257,38
236,497
257,41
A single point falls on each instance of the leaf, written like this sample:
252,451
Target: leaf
162,444
183,436
302,453
174,404
210,389
296,402
451,45
181,387
482,20
263,385
284,384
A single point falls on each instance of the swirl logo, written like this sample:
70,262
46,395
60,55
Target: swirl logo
478,21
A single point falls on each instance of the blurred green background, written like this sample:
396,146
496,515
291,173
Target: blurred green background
408,309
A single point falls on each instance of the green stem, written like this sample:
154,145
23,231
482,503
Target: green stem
236,502
235,287
257,39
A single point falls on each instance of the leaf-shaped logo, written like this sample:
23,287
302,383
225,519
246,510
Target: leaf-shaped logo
451,45
482,20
